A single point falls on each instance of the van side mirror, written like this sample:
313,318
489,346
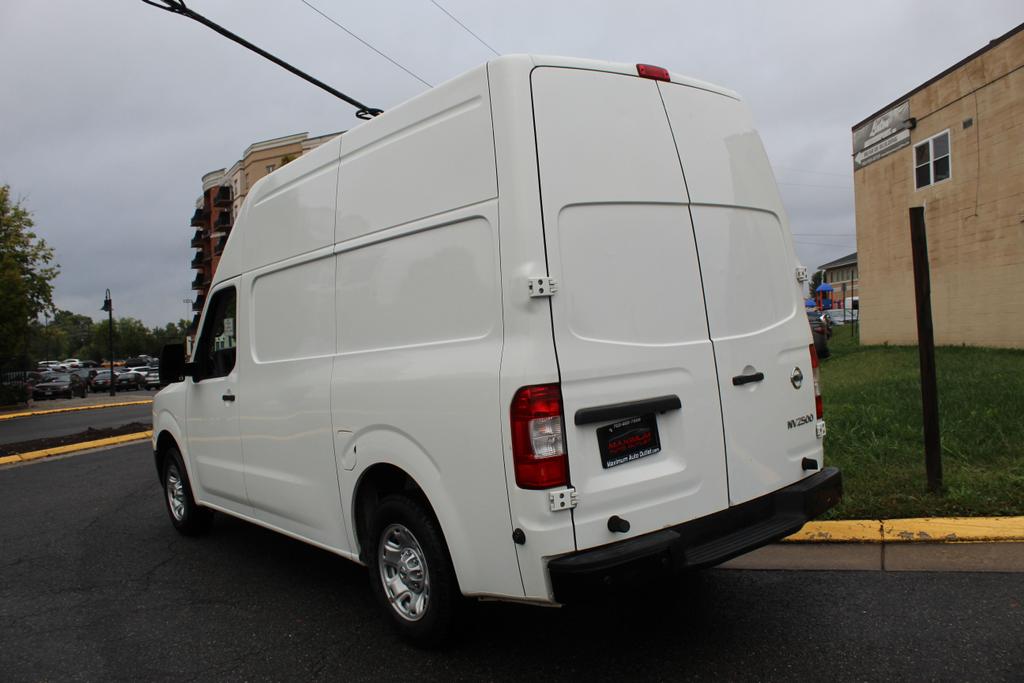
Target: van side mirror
172,364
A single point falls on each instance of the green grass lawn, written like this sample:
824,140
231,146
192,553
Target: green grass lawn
873,411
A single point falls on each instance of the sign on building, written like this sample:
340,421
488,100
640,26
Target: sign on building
882,135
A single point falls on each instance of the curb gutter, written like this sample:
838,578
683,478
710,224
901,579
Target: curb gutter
11,416
925,529
75,447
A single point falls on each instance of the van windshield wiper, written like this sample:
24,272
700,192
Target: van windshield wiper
178,7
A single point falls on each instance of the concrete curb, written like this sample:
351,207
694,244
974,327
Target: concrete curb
75,447
11,416
925,529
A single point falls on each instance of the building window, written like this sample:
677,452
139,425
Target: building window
931,160
270,168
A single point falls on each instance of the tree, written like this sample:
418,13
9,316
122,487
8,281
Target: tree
817,277
26,276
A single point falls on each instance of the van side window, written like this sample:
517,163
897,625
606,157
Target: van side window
215,354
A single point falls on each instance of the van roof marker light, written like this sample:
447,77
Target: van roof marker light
656,73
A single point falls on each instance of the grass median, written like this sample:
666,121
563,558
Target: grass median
873,410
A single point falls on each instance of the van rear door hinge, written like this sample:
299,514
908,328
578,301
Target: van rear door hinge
542,286
801,274
562,499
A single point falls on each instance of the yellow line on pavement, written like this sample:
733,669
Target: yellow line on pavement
11,416
74,447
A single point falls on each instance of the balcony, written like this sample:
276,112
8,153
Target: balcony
197,240
199,217
221,243
201,281
197,305
223,196
193,326
198,259
223,221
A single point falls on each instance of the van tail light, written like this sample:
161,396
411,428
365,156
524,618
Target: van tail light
538,437
819,408
656,72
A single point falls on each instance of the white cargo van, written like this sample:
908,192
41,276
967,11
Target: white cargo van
533,333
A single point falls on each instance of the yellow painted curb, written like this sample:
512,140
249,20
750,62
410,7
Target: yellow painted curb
74,447
921,530
954,529
11,416
839,531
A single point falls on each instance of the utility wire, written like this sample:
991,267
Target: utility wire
178,7
466,28
807,170
321,13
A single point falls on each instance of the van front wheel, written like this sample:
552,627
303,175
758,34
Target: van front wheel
411,572
187,517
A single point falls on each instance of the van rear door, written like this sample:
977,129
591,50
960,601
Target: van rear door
754,302
628,318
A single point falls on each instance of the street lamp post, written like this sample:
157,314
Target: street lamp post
108,306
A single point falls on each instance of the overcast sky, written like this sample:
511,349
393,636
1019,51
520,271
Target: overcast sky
111,111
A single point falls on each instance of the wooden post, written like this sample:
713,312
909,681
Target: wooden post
926,350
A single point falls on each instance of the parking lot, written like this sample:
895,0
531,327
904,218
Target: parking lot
97,585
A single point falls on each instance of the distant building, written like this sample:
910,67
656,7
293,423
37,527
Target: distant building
955,145
223,194
842,275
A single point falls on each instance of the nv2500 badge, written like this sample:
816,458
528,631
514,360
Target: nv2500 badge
799,421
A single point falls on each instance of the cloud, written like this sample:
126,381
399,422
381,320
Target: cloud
113,111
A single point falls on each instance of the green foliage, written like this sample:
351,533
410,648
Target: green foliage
817,277
873,410
71,335
26,276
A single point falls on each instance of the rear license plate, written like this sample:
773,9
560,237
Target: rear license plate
628,440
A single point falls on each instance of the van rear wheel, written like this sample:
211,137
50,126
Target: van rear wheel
411,572
187,517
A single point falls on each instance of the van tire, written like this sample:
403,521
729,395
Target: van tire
405,529
189,518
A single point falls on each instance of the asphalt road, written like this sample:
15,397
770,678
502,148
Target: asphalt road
62,424
96,585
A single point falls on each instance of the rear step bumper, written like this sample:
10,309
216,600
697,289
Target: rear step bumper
700,543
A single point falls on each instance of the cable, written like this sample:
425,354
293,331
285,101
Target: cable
452,17
806,184
178,7
807,170
318,11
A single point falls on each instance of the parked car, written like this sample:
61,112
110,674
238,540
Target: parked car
414,385
153,378
89,364
821,331
137,362
130,379
101,381
66,385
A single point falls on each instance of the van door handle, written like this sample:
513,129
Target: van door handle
740,380
228,397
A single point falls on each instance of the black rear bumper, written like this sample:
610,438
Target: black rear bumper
700,543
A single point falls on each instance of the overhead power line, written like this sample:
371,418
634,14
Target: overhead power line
807,170
466,28
346,30
178,7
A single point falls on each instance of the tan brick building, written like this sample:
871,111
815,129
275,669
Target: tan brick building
954,145
223,194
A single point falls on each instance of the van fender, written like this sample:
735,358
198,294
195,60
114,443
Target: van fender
381,444
166,425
